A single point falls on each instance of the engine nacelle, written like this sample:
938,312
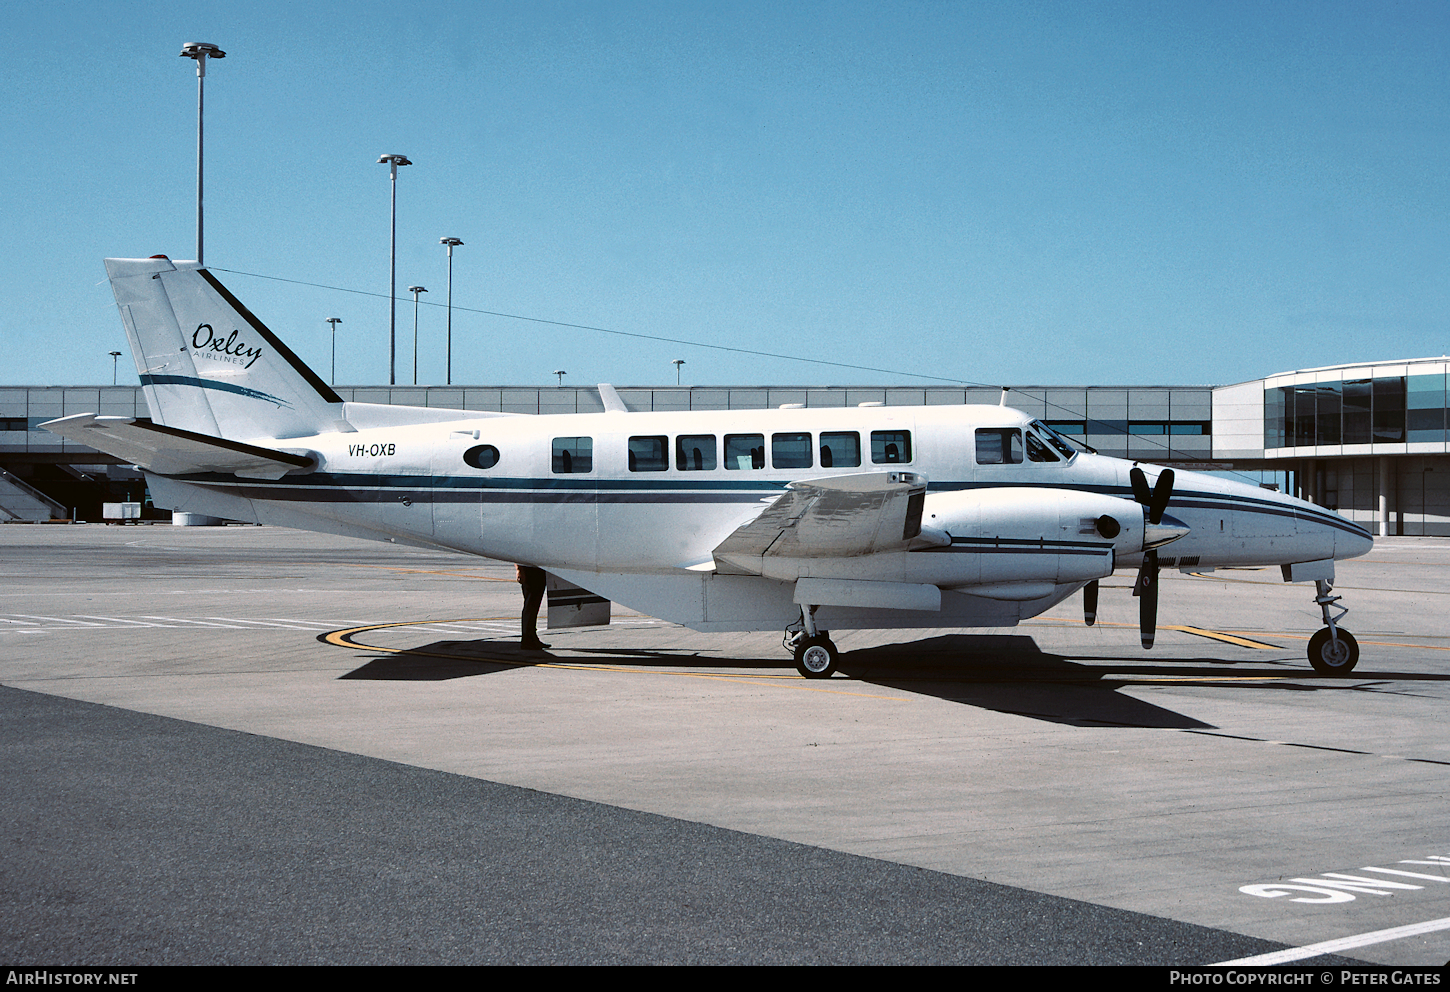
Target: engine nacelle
1020,535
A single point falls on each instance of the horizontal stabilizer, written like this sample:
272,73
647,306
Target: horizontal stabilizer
173,451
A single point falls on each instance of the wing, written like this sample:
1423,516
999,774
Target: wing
173,451
841,516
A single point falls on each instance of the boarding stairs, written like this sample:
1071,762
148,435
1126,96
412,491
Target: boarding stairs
22,503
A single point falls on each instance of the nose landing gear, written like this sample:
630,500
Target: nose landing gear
1332,651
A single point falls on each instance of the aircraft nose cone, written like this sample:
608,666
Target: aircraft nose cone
1347,545
1167,530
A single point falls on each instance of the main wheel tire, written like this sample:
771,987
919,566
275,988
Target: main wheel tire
816,657
1333,657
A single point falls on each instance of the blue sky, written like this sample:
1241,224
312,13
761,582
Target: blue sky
1027,193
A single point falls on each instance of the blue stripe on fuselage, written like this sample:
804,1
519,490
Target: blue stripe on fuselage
343,487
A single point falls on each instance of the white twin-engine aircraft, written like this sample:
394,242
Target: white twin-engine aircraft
807,520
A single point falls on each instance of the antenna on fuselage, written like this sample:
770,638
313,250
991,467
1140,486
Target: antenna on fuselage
1005,391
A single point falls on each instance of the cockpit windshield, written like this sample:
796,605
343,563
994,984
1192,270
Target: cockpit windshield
1053,438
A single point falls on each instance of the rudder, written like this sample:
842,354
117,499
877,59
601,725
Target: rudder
207,364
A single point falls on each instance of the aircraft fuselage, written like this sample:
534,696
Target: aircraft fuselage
633,505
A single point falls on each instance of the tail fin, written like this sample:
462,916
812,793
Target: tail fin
207,364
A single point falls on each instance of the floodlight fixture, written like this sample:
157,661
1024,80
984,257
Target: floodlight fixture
392,160
200,51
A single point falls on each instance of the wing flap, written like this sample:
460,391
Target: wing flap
839,516
173,451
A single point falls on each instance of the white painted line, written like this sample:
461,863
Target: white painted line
1342,944
269,624
1408,874
77,623
197,623
120,620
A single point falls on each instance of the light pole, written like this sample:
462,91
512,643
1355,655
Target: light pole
415,290
201,51
114,356
451,243
334,321
392,162
560,373
677,363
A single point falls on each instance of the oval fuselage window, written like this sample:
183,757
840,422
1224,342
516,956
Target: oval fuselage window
481,456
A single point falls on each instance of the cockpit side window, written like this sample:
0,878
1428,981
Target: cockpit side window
1038,451
999,446
1054,439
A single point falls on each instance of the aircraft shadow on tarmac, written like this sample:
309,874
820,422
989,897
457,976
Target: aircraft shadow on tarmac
1010,674
1005,673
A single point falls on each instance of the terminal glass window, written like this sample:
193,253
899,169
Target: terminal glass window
890,447
1425,407
744,451
649,454
1356,399
840,450
573,455
1274,418
695,452
1303,415
1327,413
790,451
999,446
1383,410
1389,410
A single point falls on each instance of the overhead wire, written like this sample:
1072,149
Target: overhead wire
1144,439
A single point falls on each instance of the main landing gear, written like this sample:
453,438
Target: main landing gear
815,653
1332,651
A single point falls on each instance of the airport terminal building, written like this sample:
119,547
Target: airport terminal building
1371,441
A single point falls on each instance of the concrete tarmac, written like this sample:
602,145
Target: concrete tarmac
202,768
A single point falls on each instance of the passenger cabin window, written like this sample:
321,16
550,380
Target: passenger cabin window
790,451
744,451
649,454
573,455
695,452
999,446
481,456
1038,451
840,450
890,447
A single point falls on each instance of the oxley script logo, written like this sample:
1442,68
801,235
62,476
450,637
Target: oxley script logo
224,349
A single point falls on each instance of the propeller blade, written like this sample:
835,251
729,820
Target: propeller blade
1140,485
1162,492
1090,603
1146,589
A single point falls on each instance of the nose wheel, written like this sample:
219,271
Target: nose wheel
1333,650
